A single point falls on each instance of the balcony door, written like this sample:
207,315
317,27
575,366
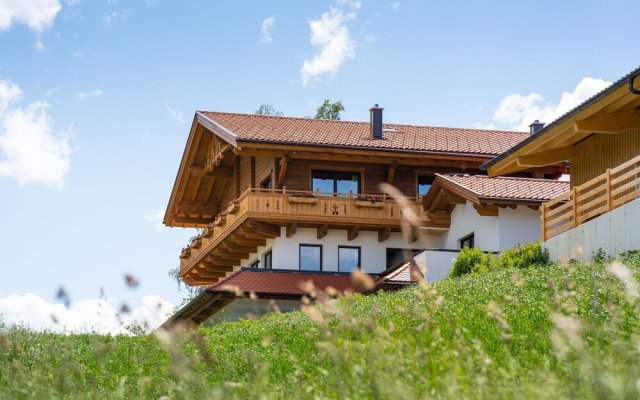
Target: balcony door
339,183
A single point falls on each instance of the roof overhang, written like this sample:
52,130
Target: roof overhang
614,110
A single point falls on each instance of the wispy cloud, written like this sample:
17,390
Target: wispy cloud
395,6
89,94
116,17
267,28
330,34
156,218
517,111
174,113
29,150
36,14
39,46
104,316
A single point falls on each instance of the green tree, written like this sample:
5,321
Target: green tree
268,109
329,110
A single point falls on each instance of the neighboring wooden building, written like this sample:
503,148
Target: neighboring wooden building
305,194
601,139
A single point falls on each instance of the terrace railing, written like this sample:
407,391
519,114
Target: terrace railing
602,194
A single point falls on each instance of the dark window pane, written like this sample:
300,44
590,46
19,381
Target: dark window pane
310,257
267,260
348,258
467,241
336,182
322,185
348,185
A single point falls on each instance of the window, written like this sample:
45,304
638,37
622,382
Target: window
255,264
424,183
311,257
348,258
397,256
267,260
266,183
336,182
467,241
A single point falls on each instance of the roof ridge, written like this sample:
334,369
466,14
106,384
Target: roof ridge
389,124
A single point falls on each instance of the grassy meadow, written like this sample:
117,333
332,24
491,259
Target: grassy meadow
558,331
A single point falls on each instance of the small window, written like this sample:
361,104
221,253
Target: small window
348,258
255,264
266,183
310,257
424,183
338,183
467,241
397,256
267,260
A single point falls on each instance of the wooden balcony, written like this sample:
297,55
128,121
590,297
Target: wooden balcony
606,192
259,214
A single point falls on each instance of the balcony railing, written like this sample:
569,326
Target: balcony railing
598,196
284,207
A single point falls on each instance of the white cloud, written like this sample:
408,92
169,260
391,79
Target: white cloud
29,150
267,27
156,218
517,111
331,35
174,113
116,17
39,46
36,14
395,6
91,315
90,94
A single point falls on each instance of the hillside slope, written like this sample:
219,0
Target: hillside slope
559,331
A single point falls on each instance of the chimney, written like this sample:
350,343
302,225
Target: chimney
535,127
376,121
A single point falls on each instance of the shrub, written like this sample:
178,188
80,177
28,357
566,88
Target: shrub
523,256
471,260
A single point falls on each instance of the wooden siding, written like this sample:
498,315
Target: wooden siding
264,167
598,152
245,173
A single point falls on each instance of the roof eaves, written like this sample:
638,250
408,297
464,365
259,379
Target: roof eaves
222,132
598,96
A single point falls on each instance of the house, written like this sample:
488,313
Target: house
601,139
478,211
305,195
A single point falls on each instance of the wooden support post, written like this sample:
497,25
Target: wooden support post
574,207
353,232
253,173
391,172
291,229
608,183
322,231
543,221
284,163
237,177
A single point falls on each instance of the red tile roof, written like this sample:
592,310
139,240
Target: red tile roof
509,188
309,131
265,282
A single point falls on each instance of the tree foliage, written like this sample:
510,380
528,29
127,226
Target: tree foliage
329,110
268,109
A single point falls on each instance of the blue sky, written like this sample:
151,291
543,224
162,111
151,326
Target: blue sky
97,97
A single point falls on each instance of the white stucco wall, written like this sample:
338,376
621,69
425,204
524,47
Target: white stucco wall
285,251
614,232
465,220
436,263
518,226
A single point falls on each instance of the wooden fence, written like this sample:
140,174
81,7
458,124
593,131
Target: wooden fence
606,192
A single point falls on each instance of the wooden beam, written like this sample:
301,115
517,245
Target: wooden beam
221,262
238,249
291,229
353,232
265,229
609,123
217,172
284,163
383,234
391,172
244,241
247,233
486,210
546,157
440,218
191,221
322,231
198,209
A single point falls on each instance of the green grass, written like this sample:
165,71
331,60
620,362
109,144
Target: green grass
557,332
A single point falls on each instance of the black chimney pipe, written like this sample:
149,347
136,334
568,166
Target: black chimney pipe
535,127
376,121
